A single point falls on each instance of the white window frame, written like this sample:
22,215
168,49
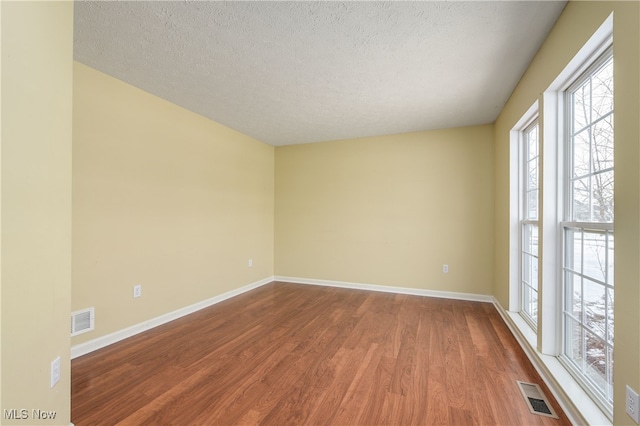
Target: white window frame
517,206
525,220
603,398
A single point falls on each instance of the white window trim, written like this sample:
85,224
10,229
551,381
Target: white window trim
550,310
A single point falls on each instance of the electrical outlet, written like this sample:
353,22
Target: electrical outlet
55,371
633,404
250,263
445,269
137,290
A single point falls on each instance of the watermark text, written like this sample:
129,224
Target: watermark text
25,414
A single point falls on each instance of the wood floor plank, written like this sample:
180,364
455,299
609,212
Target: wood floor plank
353,403
299,354
377,392
343,366
437,404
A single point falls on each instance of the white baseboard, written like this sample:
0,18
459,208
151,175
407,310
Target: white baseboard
389,289
575,402
101,342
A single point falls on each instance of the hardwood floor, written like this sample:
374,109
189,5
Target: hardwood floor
287,354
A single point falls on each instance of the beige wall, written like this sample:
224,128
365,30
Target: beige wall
577,23
37,47
389,210
164,198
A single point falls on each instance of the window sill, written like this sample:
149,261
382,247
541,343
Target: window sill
575,402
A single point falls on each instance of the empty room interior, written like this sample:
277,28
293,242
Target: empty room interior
320,212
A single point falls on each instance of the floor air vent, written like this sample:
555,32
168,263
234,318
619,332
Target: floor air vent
82,321
535,399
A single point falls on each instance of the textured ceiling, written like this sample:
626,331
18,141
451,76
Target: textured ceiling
299,72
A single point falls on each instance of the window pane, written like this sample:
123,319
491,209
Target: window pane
582,106
594,308
530,286
534,239
610,264
602,149
596,361
574,338
534,305
595,255
602,197
610,372
581,200
530,239
532,174
610,315
573,295
532,139
573,249
526,268
532,205
593,198
526,299
581,153
602,91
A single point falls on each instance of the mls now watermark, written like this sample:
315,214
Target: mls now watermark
24,414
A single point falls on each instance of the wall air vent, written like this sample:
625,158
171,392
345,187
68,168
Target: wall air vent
82,321
535,399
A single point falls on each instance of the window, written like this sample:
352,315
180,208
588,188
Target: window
561,222
529,224
588,228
